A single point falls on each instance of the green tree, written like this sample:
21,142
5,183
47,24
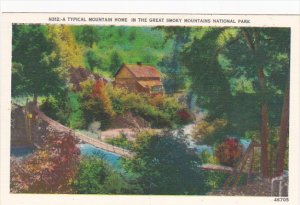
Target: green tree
163,164
259,57
116,61
175,77
67,51
95,176
33,70
88,35
93,60
95,103
75,117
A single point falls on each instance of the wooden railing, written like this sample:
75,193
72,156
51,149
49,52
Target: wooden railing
97,143
247,158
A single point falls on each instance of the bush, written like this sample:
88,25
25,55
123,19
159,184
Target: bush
96,176
208,158
210,132
229,152
160,111
76,120
120,141
95,102
215,179
66,109
51,169
184,116
164,164
170,105
55,107
122,101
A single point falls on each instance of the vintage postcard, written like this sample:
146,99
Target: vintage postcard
149,108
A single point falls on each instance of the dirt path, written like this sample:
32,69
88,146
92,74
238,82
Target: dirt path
112,133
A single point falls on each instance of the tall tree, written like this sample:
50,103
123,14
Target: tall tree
33,70
175,74
89,35
257,56
269,52
67,51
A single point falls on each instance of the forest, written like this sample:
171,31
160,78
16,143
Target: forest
226,88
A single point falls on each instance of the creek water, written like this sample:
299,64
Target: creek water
85,149
88,150
115,160
187,130
21,151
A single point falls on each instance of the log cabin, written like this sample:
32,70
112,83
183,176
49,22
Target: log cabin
139,78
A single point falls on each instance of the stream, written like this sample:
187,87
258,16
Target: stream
114,160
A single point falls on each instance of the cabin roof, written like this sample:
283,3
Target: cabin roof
141,71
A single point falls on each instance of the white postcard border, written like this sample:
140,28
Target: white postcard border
8,19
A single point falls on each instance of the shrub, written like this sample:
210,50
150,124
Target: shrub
96,176
208,158
215,179
184,116
176,112
50,169
229,152
122,101
95,102
210,132
55,107
160,111
164,164
120,141
76,119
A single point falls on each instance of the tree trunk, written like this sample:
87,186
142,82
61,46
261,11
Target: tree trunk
264,135
35,99
264,130
283,132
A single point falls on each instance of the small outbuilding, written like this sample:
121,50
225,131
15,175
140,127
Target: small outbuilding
139,78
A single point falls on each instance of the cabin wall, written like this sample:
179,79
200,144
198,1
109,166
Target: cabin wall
141,89
124,73
127,83
125,79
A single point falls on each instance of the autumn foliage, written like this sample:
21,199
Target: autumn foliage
184,115
95,103
229,152
51,169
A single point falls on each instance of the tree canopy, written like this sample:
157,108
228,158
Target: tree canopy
163,164
33,70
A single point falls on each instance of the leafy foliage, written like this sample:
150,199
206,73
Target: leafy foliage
95,103
184,116
75,118
160,111
215,179
208,80
120,141
106,48
210,132
50,169
33,70
95,176
55,107
229,152
67,51
164,164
